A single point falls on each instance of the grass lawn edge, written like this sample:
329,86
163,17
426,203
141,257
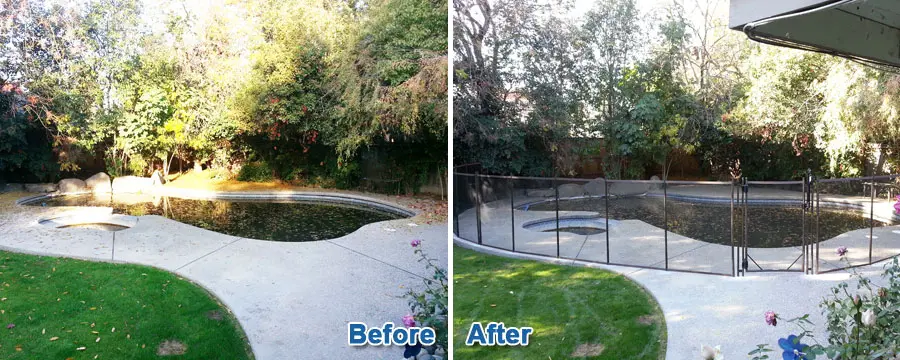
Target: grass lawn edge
663,334
248,347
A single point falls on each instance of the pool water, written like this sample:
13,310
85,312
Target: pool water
292,221
769,226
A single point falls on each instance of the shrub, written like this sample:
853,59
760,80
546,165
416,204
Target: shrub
862,324
256,171
429,306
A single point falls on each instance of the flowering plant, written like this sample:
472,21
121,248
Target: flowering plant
865,325
429,306
897,205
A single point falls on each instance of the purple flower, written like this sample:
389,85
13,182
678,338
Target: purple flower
10,326
792,348
771,318
415,242
409,321
897,205
841,250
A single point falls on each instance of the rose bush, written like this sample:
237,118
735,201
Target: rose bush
861,325
429,306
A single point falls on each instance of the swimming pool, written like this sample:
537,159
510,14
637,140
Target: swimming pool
770,226
275,220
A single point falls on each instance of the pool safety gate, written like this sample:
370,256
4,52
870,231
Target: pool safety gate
494,211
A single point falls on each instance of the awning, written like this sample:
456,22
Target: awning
863,30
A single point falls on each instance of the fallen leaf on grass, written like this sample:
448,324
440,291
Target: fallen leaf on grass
54,338
82,348
98,340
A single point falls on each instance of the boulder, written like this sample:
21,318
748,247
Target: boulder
157,179
72,185
99,183
131,184
596,187
571,190
657,185
40,188
540,193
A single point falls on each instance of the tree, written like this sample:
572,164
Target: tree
613,39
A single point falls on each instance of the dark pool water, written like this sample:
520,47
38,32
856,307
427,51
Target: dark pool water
769,226
277,221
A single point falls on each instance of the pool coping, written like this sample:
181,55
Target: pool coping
288,195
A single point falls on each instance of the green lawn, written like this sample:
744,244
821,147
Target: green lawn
55,308
575,312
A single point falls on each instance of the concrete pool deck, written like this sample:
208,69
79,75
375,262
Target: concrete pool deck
718,310
293,300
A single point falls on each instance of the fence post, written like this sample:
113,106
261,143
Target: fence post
455,208
733,265
872,214
666,221
803,203
512,212
745,190
606,202
478,204
818,239
556,196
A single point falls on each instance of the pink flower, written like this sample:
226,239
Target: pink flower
409,321
415,242
771,318
841,250
10,326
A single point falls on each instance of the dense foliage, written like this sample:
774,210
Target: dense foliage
543,88
324,92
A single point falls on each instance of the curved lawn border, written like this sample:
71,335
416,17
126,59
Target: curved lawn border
247,346
664,343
